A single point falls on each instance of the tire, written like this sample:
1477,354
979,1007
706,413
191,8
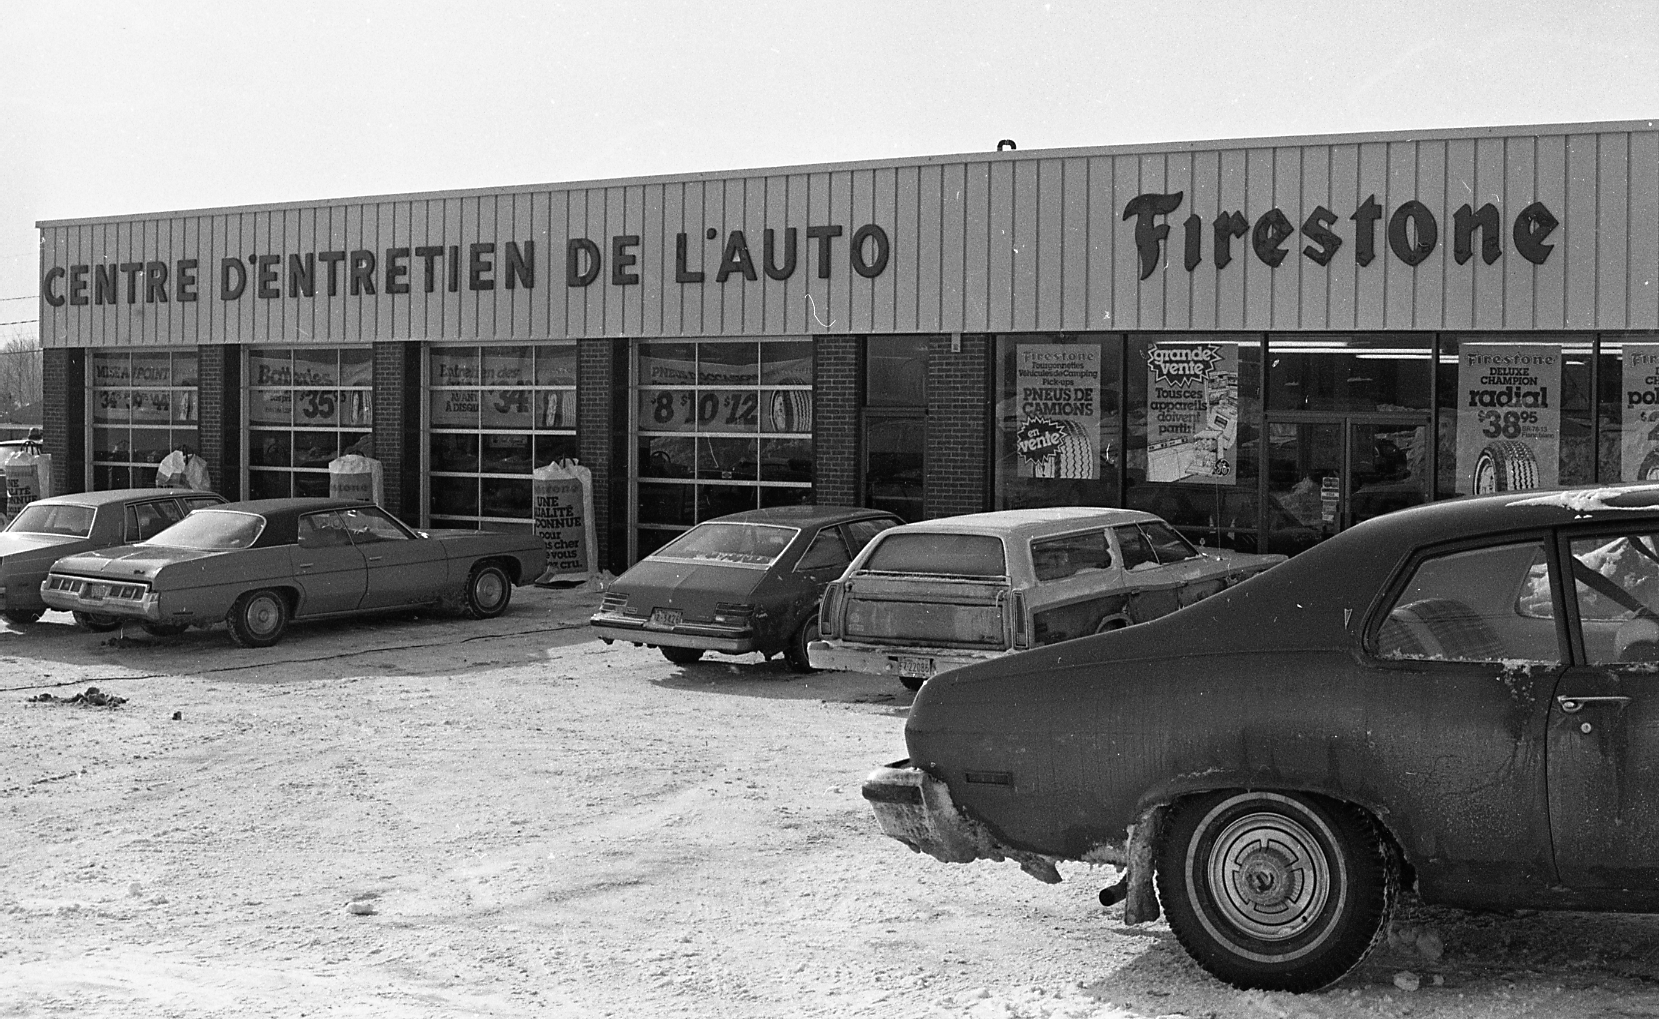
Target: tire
912,683
22,617
258,619
162,629
489,591
1649,470
1275,891
682,655
96,622
1507,465
795,654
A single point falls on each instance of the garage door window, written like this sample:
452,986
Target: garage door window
305,407
143,407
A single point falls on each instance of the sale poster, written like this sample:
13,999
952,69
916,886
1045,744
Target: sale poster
1192,412
1639,410
1058,428
1508,416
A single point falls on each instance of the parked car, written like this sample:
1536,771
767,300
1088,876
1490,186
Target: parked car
932,596
744,582
48,529
1457,698
257,565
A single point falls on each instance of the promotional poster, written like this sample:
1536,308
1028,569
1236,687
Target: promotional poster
1508,416
1192,412
1639,420
1058,392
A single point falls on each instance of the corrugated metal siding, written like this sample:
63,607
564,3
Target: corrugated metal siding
1015,241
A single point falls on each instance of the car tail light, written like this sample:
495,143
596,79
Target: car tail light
734,613
1020,638
829,626
613,603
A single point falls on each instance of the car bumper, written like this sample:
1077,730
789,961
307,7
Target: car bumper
903,662
708,637
147,607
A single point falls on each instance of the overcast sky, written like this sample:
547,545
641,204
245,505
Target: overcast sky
112,109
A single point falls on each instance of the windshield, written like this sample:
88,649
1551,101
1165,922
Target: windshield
71,521
212,530
957,555
740,544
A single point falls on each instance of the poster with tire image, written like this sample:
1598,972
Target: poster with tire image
1508,417
1639,423
1058,387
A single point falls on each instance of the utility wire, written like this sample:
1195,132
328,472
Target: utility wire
19,322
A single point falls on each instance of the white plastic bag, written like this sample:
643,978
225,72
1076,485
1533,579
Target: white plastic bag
179,469
28,477
352,476
562,497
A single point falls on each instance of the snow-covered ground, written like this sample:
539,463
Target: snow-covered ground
441,817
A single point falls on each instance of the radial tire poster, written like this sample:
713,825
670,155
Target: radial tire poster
1508,416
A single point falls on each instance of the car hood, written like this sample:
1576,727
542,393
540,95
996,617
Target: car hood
17,543
130,560
691,587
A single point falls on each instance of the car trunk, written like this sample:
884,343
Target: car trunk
923,610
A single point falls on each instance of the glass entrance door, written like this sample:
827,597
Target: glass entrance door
1325,475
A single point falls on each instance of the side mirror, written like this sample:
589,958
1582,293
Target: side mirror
423,534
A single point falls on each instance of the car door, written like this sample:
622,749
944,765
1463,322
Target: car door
329,569
1604,717
824,560
1154,589
403,569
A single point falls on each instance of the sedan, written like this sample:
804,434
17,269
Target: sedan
1456,699
258,565
48,529
744,582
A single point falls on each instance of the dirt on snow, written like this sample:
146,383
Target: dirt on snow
437,817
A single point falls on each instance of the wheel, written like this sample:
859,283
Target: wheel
97,622
1649,470
163,629
682,655
258,618
488,591
22,617
912,682
1507,465
795,653
1274,891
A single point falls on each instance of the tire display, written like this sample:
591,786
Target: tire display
1275,891
1507,465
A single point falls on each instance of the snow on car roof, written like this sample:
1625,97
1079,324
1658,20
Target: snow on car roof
1038,520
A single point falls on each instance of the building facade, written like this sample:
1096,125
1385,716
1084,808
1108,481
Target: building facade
1264,341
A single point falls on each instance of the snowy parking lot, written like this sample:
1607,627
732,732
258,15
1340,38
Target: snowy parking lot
439,817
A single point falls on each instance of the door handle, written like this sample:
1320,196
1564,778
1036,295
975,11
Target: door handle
306,566
376,558
1573,705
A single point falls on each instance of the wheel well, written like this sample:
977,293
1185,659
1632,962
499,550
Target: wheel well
511,566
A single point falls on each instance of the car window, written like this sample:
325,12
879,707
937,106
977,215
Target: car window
1616,581
859,532
196,502
323,530
1490,604
147,519
827,550
1070,554
1137,551
213,530
368,526
59,518
730,542
957,555
1167,543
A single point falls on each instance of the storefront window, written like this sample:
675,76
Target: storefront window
1350,373
1628,411
719,426
1515,413
895,424
305,406
494,415
1059,438
143,407
1192,445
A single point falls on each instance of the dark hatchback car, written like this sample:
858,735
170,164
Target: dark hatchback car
744,582
1461,699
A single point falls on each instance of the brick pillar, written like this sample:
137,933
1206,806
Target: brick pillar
63,424
218,415
397,426
959,402
602,441
835,399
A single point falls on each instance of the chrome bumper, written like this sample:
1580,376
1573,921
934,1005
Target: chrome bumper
728,640
917,663
147,607
915,808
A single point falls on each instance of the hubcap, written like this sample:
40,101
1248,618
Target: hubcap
488,589
1269,876
263,615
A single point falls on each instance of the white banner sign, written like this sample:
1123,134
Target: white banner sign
1639,426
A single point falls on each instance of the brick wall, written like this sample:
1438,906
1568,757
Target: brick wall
397,402
63,424
218,420
959,401
835,402
602,441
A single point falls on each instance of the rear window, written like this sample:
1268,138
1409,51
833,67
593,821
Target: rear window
957,555
69,521
733,543
212,530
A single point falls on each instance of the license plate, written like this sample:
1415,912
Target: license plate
915,668
97,591
664,619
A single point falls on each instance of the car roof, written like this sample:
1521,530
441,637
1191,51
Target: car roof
108,496
1029,522
282,516
802,516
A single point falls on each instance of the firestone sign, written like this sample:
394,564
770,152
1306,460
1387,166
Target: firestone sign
479,266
